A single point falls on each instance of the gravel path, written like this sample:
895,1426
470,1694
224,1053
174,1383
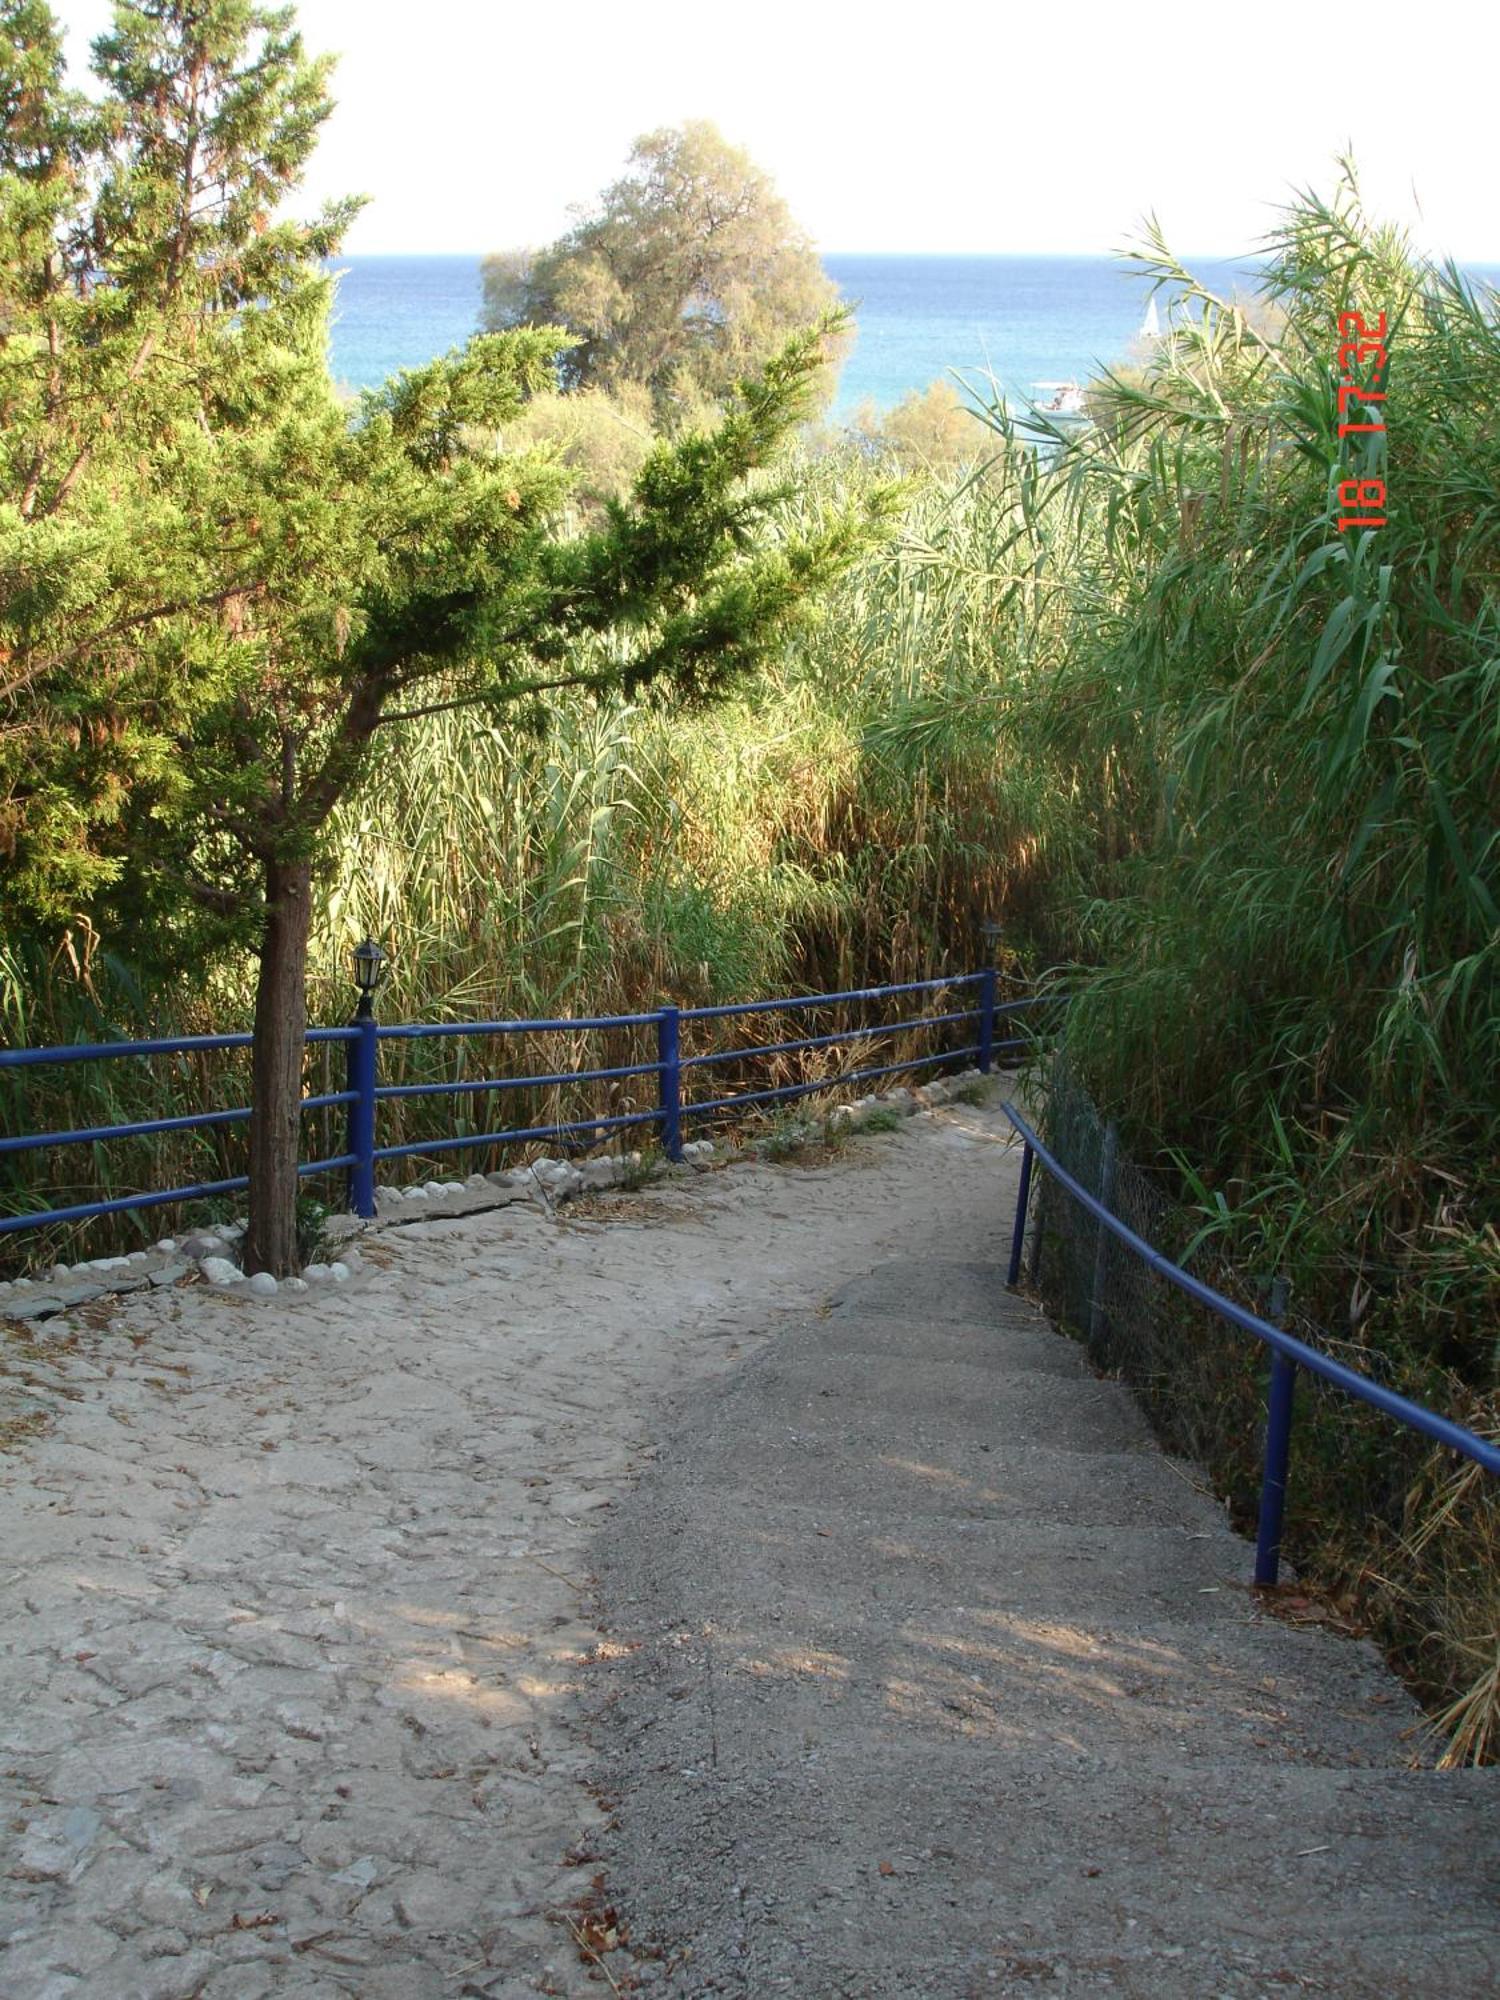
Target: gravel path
295,1594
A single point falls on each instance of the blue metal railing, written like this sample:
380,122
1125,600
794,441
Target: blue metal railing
365,1093
1288,1354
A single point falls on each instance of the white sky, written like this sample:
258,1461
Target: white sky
954,127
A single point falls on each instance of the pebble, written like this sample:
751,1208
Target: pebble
263,1285
219,1271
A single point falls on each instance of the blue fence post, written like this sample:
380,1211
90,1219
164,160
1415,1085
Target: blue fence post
669,1080
363,1061
1278,1451
1018,1234
987,1019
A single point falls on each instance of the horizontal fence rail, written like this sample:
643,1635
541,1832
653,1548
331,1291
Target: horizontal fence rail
1288,1354
675,1072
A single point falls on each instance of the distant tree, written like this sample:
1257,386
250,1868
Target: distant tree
689,274
602,437
216,590
931,428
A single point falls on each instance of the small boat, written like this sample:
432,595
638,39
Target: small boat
1151,325
1067,401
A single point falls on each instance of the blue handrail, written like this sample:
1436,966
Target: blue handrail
365,1093
1286,1349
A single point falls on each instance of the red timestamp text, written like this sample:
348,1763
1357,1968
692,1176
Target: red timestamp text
1362,353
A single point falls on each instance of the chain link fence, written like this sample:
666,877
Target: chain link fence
1404,1535
1202,1383
1201,1398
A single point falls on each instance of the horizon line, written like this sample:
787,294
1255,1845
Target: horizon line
1212,256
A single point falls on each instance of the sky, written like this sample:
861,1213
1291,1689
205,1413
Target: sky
477,124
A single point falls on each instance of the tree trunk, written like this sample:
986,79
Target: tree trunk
276,1070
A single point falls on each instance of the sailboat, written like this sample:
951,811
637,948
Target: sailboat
1151,325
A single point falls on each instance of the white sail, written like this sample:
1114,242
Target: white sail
1151,327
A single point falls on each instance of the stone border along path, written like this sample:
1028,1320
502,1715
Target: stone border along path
906,1663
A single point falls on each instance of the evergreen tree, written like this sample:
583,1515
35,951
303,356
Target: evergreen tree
218,588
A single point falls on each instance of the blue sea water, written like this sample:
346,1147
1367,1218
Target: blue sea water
1021,319
1024,319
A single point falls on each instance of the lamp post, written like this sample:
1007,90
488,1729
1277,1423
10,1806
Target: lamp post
989,930
369,973
364,1048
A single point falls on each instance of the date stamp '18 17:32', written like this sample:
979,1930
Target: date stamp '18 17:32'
1362,353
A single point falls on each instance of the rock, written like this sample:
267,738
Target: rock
168,1274
477,1182
219,1271
56,1845
414,1194
294,1284
598,1173
433,1188
263,1285
424,1900
340,1273
315,1273
200,1245
39,1306
137,1258
168,1246
359,1874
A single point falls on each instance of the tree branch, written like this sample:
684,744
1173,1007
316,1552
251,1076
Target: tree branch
511,691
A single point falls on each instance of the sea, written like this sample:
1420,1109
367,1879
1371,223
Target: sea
1009,321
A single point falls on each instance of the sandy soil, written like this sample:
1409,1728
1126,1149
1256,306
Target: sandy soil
296,1593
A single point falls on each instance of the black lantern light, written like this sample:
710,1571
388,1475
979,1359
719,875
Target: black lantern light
369,971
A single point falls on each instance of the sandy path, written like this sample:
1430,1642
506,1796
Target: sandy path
295,1594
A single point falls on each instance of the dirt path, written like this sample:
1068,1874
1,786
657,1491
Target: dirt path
295,1594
